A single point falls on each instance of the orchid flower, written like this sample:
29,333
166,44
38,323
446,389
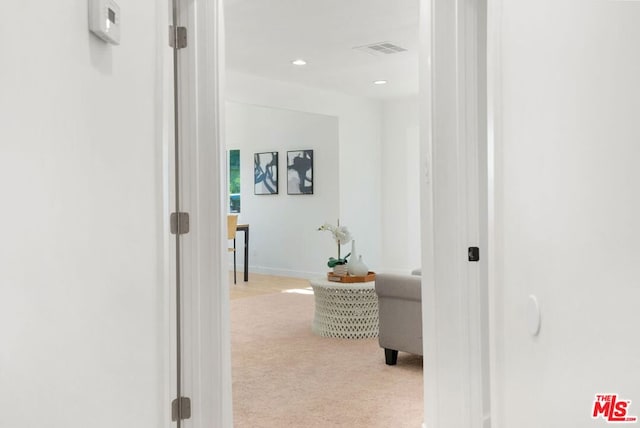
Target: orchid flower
342,236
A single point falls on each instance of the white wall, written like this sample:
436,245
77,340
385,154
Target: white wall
359,151
400,186
565,81
283,228
82,327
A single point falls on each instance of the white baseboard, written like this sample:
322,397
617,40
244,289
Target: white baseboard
306,274
279,272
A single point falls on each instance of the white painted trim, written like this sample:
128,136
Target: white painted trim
450,139
494,194
265,270
207,344
215,340
426,205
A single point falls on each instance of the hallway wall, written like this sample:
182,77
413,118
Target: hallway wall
82,322
284,239
566,210
359,153
400,167
377,174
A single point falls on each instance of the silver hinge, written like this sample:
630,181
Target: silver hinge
179,223
181,409
177,37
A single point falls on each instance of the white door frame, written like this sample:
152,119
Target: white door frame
453,143
494,197
455,373
206,326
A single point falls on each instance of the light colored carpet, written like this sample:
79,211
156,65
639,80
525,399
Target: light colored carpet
285,376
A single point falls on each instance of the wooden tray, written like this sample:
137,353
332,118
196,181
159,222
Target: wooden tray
371,276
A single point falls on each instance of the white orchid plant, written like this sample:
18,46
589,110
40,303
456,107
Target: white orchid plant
342,236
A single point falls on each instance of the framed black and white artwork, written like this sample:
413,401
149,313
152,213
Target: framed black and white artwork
265,173
300,172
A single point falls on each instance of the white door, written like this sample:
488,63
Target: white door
565,89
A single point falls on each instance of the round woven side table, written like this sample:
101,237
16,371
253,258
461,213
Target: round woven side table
345,310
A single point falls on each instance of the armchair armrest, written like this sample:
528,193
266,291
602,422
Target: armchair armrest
399,286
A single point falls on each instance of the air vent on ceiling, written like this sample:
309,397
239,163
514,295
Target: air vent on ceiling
381,48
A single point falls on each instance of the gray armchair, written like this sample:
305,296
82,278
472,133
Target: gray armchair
400,310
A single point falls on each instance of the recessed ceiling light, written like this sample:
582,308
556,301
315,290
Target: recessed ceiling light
299,62
379,82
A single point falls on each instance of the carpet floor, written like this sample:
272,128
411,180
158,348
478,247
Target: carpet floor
285,376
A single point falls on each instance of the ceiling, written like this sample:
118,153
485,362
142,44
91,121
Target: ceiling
264,36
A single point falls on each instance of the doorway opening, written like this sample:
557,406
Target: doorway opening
340,79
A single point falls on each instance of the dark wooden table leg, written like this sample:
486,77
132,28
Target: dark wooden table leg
246,254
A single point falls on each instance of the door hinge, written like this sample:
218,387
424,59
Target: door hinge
177,37
179,223
181,409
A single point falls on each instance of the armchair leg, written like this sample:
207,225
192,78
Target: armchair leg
390,356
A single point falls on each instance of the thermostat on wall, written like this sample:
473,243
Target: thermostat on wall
104,20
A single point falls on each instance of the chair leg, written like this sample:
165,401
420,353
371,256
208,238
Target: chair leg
390,356
234,260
